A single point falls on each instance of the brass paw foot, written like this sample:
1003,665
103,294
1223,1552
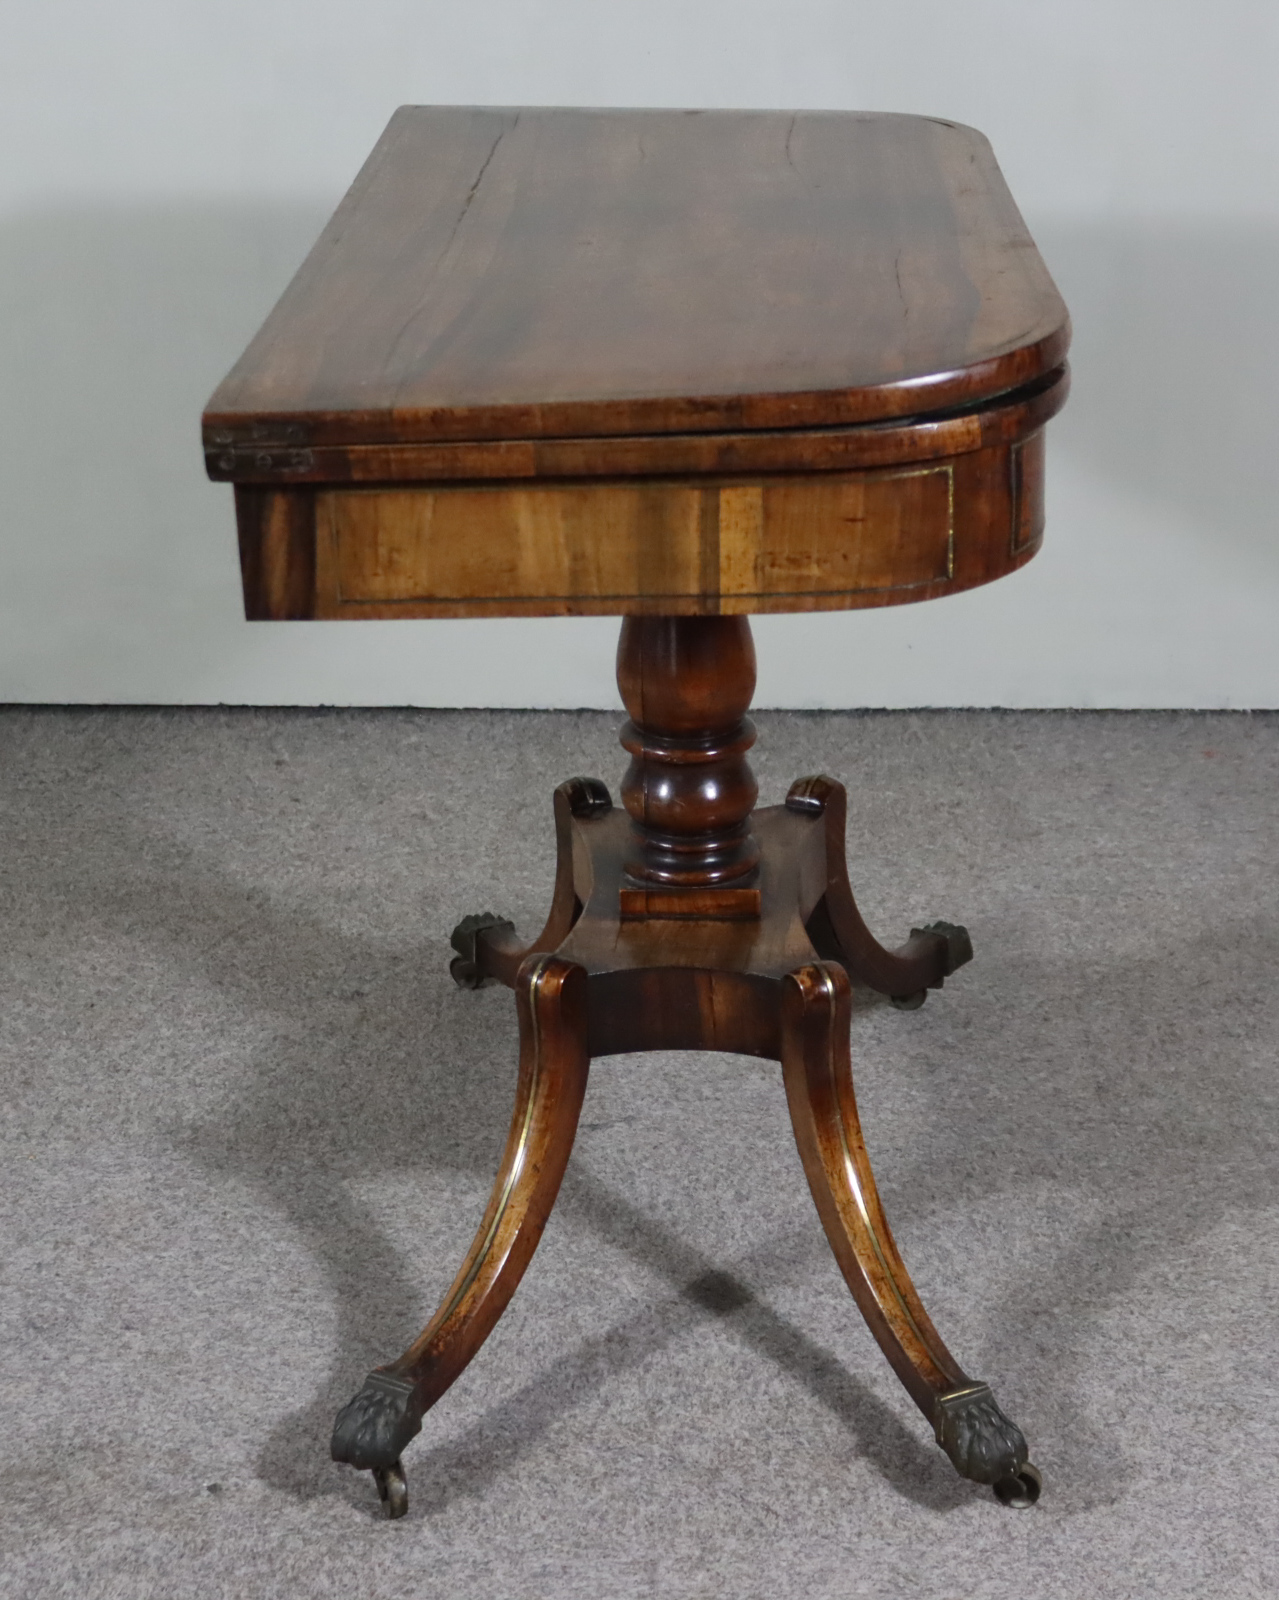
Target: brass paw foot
465,966
958,950
984,1445
959,947
371,1431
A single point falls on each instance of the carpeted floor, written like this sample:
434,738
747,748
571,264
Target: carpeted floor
249,1126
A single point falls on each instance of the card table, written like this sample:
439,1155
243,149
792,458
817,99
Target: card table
678,367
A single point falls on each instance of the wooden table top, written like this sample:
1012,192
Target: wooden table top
532,274
588,362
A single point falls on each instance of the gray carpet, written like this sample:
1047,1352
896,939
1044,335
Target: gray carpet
250,1125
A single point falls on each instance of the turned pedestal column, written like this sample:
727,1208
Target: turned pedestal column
687,682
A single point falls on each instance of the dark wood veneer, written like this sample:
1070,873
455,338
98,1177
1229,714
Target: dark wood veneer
522,274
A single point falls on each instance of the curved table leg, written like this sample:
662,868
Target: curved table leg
373,1429
487,945
981,1442
838,932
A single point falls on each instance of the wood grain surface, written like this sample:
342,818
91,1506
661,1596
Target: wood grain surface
827,541
570,363
540,274
842,534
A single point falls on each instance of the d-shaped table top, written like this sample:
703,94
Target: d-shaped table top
523,274
749,361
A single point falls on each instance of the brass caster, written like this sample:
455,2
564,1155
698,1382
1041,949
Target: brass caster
908,1002
465,966
959,946
393,1489
1020,1489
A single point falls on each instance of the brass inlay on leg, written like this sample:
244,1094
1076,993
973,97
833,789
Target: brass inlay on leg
513,1175
855,1182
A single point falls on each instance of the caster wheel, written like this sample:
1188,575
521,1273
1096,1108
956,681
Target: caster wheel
393,1489
908,1002
1020,1489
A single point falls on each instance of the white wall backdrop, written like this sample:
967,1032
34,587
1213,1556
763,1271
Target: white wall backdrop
166,168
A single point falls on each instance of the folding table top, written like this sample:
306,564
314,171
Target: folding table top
573,274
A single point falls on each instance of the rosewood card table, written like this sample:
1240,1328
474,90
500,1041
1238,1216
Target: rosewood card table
676,367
